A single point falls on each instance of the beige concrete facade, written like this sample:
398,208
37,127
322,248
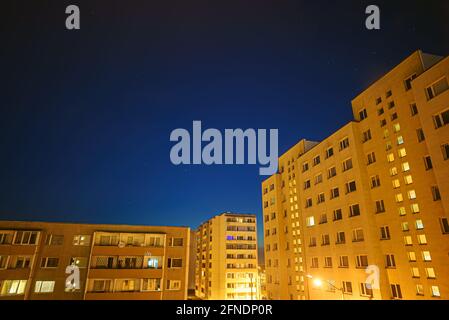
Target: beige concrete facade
115,261
226,263
367,196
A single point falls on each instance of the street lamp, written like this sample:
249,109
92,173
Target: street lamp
319,283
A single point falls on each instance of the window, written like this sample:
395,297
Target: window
306,184
357,235
384,233
316,161
380,111
390,261
363,115
375,182
380,206
21,262
335,193
26,237
396,183
405,226
408,180
54,240
101,286
420,135
351,187
411,256
366,136
426,256
396,128
176,242
318,179
437,88
173,284
390,157
329,153
415,208
44,286
389,93
411,194
396,291
413,109
428,163
328,262
341,239
308,202
305,167
344,262
365,291
310,221
419,224
436,193
445,151
383,122
405,167
435,290
49,262
378,101
362,261
347,287
312,242
408,82
323,218
314,262
151,284
81,240
338,215
12,287
6,237
393,171
399,198
174,263
408,241
394,116
354,210
391,105
402,153
415,272
331,172
444,225
344,144
430,272
400,140
441,119
321,198
422,240
325,240
371,158
347,165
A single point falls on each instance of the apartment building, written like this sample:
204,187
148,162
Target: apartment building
114,261
226,262
373,194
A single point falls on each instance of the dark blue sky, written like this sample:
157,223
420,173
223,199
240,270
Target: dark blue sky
86,115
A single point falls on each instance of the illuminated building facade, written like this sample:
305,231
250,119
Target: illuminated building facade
226,263
374,193
114,261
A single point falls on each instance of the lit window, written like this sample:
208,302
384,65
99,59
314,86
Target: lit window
408,240
400,140
426,256
396,127
405,167
422,239
419,290
402,153
310,221
430,272
396,183
81,240
435,291
412,194
415,208
393,171
415,272
44,286
399,197
419,225
408,179
411,256
390,157
12,287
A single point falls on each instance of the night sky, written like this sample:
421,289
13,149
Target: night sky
85,116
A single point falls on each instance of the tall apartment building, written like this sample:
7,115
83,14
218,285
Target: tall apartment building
226,263
114,261
374,193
